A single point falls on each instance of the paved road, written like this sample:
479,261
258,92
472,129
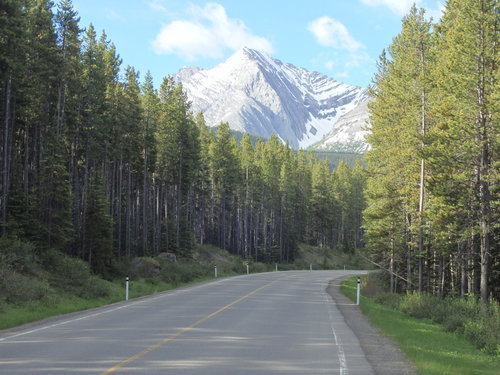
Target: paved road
271,323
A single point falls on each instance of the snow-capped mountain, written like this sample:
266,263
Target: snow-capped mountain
258,94
348,134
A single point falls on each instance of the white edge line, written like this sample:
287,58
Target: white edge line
343,370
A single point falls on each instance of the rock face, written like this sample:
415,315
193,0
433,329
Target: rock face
349,132
258,94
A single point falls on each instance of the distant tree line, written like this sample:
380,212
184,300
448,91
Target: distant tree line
101,165
433,185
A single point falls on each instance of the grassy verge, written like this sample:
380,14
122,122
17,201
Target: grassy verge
426,344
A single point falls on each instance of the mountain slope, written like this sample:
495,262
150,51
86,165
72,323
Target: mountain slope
348,134
258,94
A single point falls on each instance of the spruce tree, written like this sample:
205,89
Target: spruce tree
466,115
224,170
98,229
399,124
178,158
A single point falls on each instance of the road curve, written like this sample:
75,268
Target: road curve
269,323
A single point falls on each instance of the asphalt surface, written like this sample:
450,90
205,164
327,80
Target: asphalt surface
270,323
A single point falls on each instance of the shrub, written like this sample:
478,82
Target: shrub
95,287
144,267
16,288
418,305
258,267
18,255
484,330
391,300
457,312
373,284
66,272
182,272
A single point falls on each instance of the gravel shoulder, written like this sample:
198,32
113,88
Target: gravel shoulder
381,352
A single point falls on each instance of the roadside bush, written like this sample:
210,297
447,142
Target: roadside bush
418,305
66,272
258,267
455,312
18,255
144,267
374,283
391,300
181,272
95,287
16,288
73,275
484,330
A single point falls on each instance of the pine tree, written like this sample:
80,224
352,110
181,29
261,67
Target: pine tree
149,123
98,228
203,204
467,117
178,157
321,203
54,199
224,169
399,125
13,45
69,46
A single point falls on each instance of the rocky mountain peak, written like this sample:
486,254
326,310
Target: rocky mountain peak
261,95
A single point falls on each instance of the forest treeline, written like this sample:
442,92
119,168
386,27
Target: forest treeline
99,164
432,213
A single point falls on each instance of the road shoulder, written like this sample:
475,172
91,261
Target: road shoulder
381,352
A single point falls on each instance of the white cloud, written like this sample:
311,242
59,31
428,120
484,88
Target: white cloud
157,5
331,33
207,33
400,7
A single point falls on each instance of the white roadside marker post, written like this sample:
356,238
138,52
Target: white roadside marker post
126,288
248,269
276,267
310,267
215,269
357,291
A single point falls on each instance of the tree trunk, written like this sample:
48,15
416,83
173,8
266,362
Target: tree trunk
6,154
391,267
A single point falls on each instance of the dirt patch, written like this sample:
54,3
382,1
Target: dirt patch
381,352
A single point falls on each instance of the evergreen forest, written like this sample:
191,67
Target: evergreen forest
98,163
101,163
432,188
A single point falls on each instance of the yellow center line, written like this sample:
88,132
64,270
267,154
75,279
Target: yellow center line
184,330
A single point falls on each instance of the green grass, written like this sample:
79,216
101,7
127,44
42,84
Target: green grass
12,316
426,344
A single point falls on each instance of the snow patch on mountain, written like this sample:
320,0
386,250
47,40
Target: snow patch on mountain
349,132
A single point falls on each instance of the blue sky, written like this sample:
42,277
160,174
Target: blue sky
340,38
